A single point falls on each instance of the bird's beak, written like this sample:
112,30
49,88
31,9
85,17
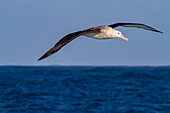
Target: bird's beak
122,37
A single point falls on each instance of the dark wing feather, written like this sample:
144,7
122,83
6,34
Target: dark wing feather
65,40
143,26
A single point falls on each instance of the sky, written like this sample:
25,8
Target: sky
28,28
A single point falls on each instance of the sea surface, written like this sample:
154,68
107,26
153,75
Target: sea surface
84,89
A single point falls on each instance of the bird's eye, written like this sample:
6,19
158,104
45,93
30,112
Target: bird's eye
118,33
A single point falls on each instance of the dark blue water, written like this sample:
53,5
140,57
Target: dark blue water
59,89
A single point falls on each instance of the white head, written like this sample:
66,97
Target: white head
118,34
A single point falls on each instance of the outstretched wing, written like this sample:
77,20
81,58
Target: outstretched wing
65,40
138,25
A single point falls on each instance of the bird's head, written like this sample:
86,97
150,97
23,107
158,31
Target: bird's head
118,34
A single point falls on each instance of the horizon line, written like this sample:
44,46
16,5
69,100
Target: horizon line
89,65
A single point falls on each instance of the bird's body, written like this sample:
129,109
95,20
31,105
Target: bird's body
99,32
104,33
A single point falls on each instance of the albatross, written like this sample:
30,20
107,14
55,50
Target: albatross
98,32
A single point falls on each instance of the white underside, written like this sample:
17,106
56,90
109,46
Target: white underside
98,35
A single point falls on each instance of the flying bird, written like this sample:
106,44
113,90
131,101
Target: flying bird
98,32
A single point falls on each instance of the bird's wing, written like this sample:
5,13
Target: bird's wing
65,40
138,25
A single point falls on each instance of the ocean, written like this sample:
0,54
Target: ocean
84,89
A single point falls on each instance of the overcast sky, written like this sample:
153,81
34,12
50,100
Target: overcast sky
28,28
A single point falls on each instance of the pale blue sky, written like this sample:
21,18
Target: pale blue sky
28,28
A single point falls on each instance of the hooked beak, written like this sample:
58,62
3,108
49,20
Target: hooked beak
122,37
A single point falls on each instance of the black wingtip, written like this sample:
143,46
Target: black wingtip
47,54
160,32
39,59
44,56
